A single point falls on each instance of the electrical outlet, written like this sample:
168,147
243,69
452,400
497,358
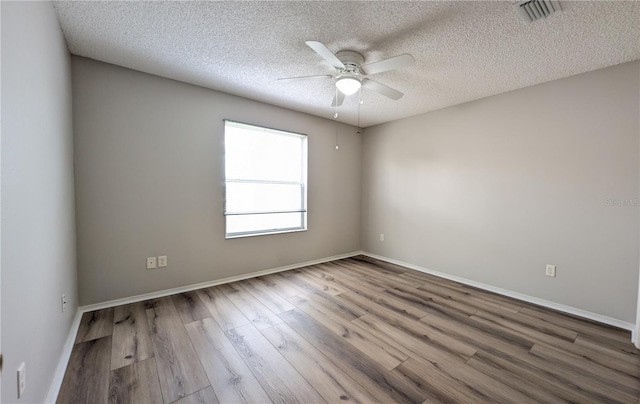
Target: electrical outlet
381,236
64,302
22,379
551,270
162,261
151,262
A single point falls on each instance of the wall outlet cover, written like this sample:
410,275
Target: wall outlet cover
551,270
151,262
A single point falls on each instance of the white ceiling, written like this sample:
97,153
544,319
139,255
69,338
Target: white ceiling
463,50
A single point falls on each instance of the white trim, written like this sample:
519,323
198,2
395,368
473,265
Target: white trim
181,289
530,299
58,375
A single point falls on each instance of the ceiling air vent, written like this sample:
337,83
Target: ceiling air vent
531,10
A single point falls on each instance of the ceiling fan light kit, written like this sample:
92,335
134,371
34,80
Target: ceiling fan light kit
348,85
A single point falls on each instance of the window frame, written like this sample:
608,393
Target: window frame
303,184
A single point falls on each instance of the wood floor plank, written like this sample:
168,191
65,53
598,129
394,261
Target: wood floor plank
231,379
179,368
331,382
274,281
387,386
131,338
581,326
419,300
312,284
328,285
135,384
223,311
441,387
204,396
357,329
257,313
620,349
384,267
267,296
378,350
86,379
337,307
343,269
621,382
161,301
418,341
594,354
538,390
439,292
344,278
281,381
394,304
625,363
478,335
532,326
94,325
520,367
384,279
190,307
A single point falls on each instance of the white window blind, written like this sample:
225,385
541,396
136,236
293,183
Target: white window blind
265,180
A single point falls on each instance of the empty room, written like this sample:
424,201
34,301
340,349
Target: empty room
320,202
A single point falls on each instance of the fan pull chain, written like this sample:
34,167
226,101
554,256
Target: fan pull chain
359,104
335,101
335,116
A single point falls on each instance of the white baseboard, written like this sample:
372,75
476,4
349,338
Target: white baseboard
530,299
188,288
68,346
58,376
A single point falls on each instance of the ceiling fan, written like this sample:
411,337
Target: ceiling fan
351,72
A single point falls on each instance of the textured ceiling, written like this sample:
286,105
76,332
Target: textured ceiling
463,50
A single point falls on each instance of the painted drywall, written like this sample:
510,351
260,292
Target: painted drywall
495,189
38,229
149,182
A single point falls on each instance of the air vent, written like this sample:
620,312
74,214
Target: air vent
532,10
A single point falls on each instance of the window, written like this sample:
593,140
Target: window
265,180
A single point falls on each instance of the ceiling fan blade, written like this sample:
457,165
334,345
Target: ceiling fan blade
388,64
337,100
382,89
322,76
325,53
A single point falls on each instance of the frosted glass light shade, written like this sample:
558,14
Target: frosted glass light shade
348,85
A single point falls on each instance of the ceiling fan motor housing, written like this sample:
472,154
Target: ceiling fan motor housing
352,61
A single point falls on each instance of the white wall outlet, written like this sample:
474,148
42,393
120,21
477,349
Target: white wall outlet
151,262
162,261
64,302
381,236
22,379
551,270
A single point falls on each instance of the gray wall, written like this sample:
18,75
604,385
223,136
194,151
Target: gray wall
38,230
149,182
492,190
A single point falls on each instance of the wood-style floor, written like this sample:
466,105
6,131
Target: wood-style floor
353,330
